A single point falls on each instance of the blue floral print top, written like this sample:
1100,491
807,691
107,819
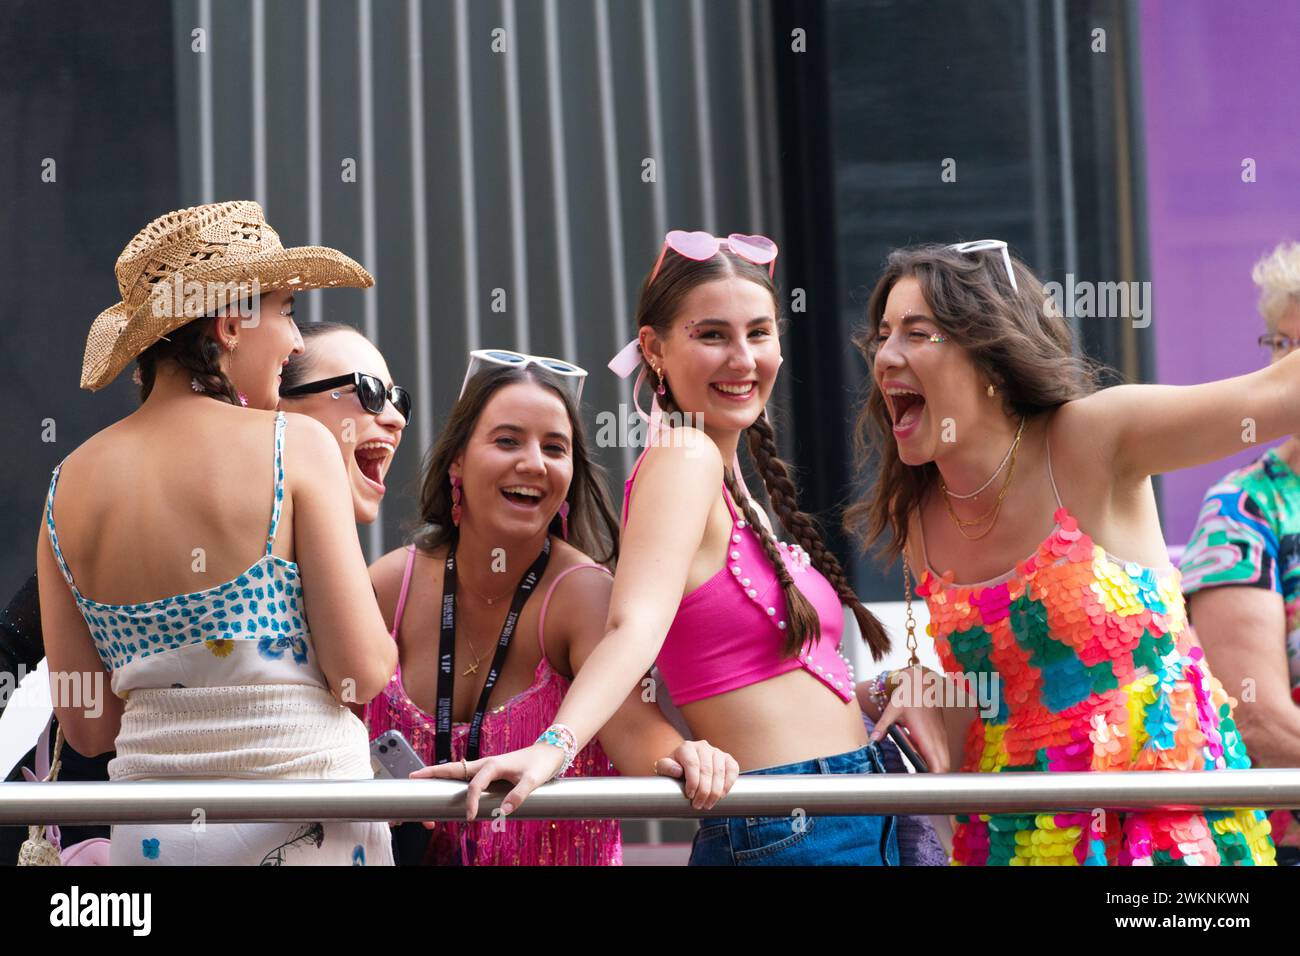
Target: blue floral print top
250,630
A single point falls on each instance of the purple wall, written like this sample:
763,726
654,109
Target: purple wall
1221,82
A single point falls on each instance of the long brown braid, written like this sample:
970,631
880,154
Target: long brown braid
785,502
195,351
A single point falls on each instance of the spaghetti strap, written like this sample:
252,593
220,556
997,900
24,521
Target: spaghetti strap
406,586
54,536
726,496
920,536
278,499
1051,476
546,601
627,485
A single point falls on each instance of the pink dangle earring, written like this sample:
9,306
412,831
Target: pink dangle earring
564,520
243,399
456,509
661,390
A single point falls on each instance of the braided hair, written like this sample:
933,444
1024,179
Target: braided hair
195,351
657,307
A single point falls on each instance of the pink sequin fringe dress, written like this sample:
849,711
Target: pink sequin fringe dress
512,725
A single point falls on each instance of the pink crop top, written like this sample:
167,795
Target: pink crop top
729,631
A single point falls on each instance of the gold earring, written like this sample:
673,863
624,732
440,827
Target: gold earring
989,390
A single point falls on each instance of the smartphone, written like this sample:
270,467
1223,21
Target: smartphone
392,757
899,737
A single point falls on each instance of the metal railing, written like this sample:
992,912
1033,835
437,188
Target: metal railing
68,803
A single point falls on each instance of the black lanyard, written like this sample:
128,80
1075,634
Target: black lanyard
447,654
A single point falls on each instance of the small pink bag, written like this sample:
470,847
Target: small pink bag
43,846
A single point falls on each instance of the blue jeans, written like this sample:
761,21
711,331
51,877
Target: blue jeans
798,840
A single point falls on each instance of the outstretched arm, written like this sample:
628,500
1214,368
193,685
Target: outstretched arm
1151,429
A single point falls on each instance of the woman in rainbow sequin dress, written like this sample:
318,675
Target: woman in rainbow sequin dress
999,461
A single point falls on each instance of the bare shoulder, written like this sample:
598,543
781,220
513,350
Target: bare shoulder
1086,430
1082,438
586,589
306,435
579,604
310,451
386,575
682,453
97,449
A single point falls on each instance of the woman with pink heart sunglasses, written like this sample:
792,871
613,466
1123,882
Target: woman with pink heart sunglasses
745,629
701,246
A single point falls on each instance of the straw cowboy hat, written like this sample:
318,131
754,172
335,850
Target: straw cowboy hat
218,244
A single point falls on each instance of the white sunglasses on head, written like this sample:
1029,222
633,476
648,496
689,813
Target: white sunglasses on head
570,375
981,245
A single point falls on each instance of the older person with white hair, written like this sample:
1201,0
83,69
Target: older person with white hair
1241,569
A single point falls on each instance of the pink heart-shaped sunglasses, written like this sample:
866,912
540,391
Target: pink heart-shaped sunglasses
699,246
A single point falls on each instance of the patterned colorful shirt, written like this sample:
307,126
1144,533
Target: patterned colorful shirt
1248,535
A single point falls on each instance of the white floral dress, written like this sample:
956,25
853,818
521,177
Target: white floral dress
224,684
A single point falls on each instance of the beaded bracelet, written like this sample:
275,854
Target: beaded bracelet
558,735
877,692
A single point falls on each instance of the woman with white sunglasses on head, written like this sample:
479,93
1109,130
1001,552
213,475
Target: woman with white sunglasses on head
996,450
505,585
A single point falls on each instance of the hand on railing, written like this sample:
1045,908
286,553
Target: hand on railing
527,769
708,773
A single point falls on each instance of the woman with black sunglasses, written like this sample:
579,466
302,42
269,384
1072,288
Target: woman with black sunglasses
343,382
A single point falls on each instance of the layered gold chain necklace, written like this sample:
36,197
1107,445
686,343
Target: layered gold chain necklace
990,516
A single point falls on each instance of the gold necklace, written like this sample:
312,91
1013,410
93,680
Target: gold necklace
991,516
484,597
473,668
980,519
478,658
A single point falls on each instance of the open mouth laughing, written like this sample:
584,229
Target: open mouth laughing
372,459
906,405
523,496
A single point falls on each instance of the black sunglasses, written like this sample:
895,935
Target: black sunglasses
370,391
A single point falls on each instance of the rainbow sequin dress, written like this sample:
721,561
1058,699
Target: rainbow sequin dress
1096,669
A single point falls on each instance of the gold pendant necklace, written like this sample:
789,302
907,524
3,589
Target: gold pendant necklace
473,668
478,658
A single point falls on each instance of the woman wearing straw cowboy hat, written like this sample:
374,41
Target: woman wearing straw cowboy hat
199,534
